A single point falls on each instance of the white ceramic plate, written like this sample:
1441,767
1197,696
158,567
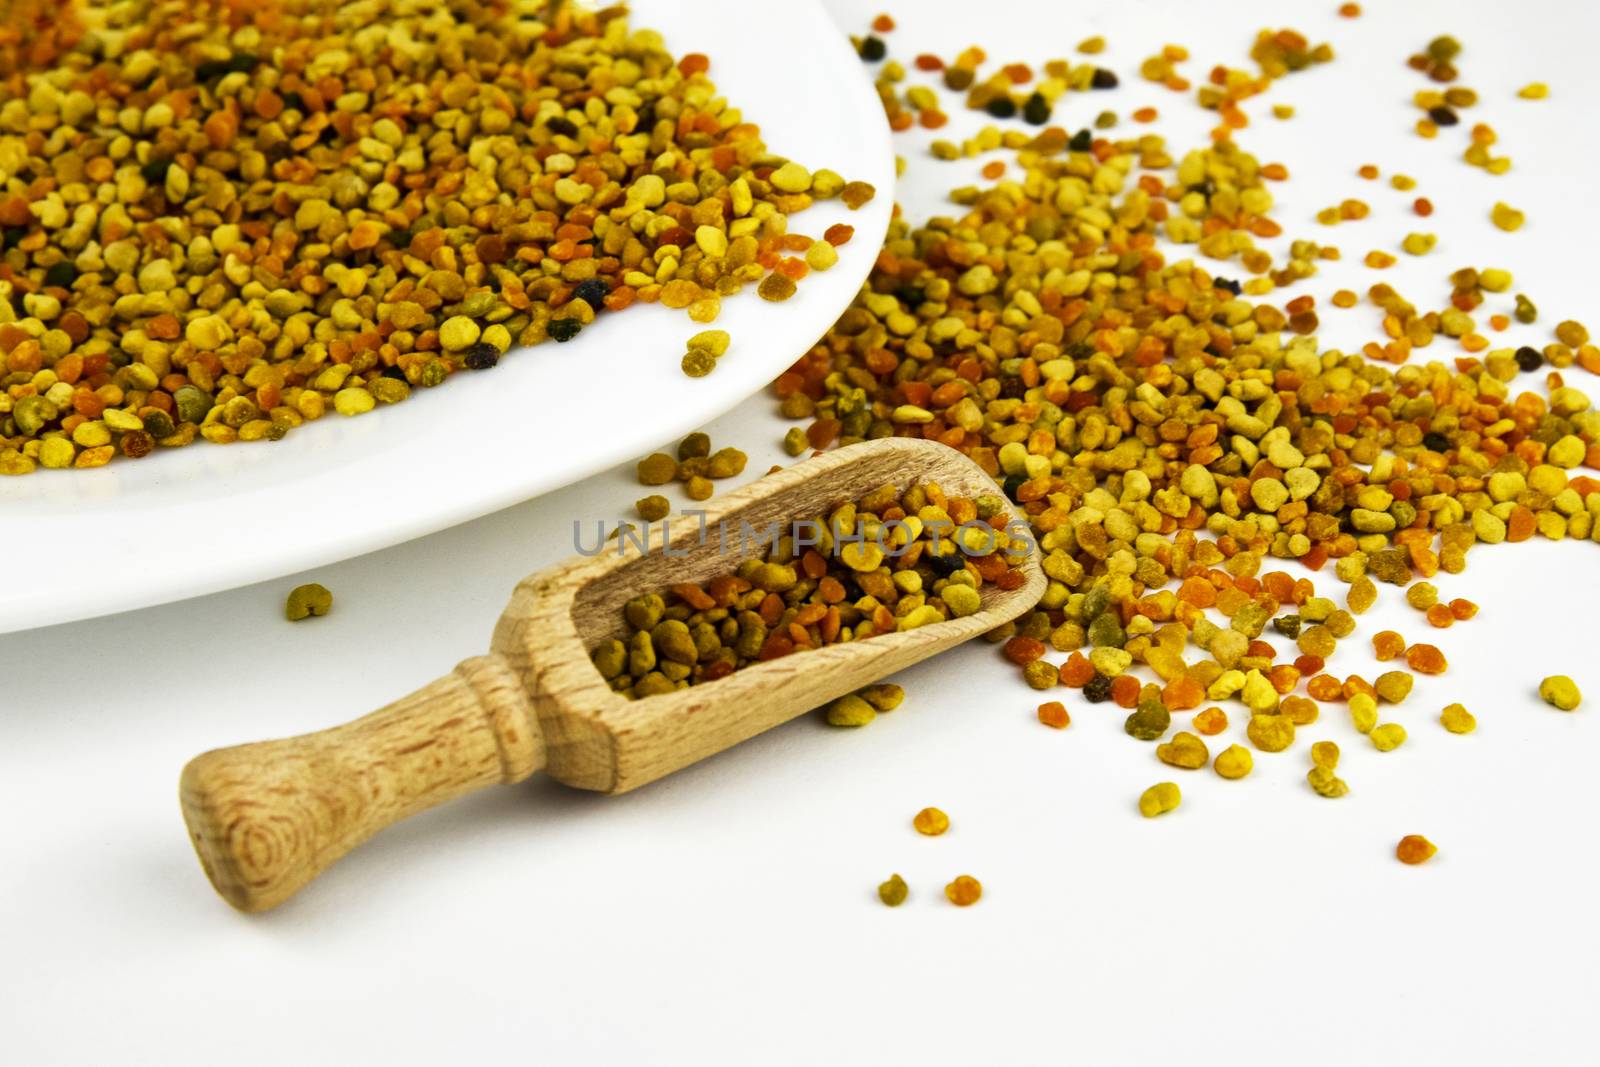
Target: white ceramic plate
208,517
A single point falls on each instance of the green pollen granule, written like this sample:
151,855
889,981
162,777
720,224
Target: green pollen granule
894,891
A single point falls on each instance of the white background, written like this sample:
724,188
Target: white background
727,915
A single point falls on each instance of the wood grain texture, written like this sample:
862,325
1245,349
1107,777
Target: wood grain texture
600,740
266,818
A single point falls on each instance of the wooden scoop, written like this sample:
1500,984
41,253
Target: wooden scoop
266,818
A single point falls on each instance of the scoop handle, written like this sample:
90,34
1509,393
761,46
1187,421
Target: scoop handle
267,818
